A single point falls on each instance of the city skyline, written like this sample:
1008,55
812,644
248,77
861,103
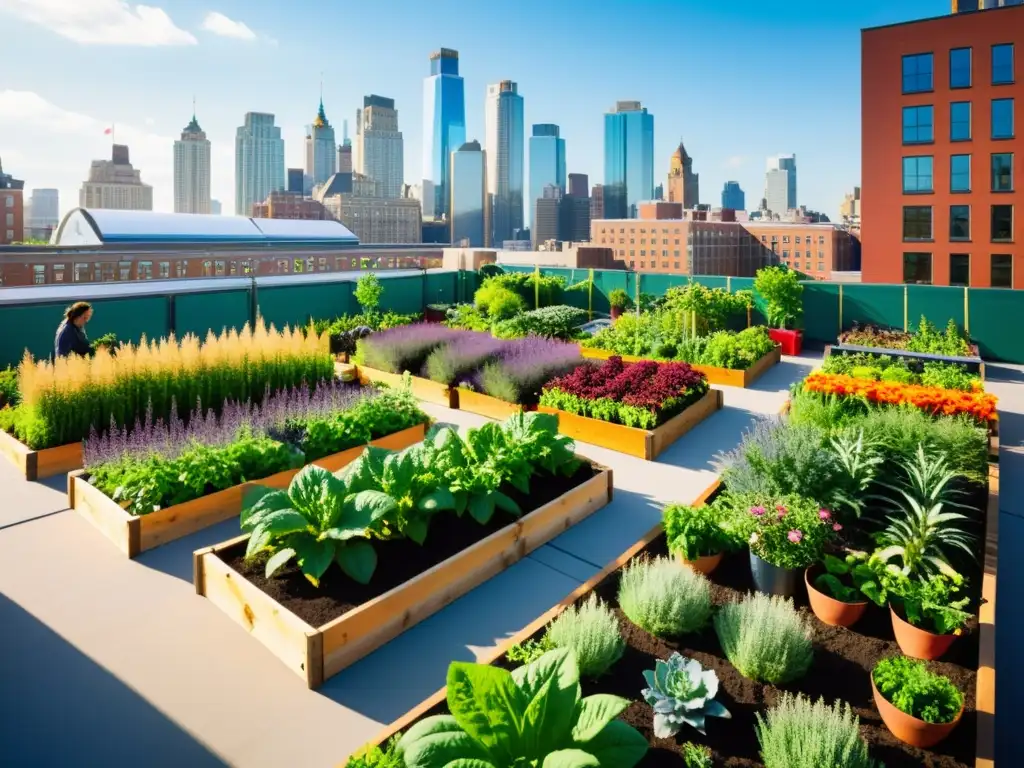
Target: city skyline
42,106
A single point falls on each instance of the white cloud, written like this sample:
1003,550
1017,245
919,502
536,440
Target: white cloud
219,24
101,22
736,161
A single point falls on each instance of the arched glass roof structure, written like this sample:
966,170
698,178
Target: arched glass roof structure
96,227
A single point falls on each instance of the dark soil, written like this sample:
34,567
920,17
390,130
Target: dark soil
397,561
843,661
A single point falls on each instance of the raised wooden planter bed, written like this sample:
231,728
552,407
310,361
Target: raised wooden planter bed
136,534
423,389
317,653
729,377
973,364
644,443
491,407
37,465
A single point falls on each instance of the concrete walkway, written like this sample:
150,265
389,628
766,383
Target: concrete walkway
110,662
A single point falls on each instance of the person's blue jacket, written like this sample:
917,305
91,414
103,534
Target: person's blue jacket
71,339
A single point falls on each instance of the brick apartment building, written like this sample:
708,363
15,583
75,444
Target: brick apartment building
943,157
666,239
12,208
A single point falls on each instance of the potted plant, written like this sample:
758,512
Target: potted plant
695,535
619,301
783,296
918,707
833,588
436,313
786,536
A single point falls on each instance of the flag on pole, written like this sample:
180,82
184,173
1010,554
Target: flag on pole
108,131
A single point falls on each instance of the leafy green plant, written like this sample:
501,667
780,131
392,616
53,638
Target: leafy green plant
695,532
797,733
765,638
697,756
842,579
316,522
592,632
711,307
930,340
860,462
909,686
375,757
497,301
783,295
950,376
468,318
664,598
619,299
9,394
368,292
533,716
681,692
107,341
529,650
933,604
535,289
897,375
556,322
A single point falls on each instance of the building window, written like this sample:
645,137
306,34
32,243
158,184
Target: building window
1002,172
165,270
38,274
676,265
917,268
664,265
785,255
917,72
643,265
82,273
959,269
785,238
124,269
1001,271
798,239
10,219
821,239
960,121
144,270
917,174
1002,64
959,222
918,125
960,68
1002,223
960,173
821,266
182,268
1002,118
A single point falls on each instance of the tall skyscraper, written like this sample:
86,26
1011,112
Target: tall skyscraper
505,134
45,205
192,170
444,128
628,159
547,220
547,163
597,202
296,181
576,210
345,164
115,184
683,183
780,184
579,185
259,161
12,208
379,145
468,204
321,161
733,196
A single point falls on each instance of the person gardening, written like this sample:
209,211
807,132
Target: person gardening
71,337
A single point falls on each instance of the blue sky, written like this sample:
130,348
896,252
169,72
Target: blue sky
737,81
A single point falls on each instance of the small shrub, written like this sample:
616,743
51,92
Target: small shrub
782,292
697,756
765,638
403,349
664,598
619,299
497,301
592,631
529,650
451,363
523,366
558,322
911,688
694,532
798,734
9,394
368,292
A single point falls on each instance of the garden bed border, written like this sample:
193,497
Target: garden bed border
491,407
135,534
427,390
643,443
317,653
729,377
46,462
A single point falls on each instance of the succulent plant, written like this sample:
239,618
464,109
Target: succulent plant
681,691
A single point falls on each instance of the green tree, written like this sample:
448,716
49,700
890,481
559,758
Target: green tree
368,292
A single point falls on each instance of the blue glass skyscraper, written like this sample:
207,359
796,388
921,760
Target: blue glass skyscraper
444,128
547,163
733,196
506,152
628,159
468,182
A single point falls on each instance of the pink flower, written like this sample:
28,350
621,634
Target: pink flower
824,514
837,527
795,536
757,511
782,512
781,509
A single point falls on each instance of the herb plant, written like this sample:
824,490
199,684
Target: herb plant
697,756
377,757
523,367
663,598
797,733
460,358
681,693
619,299
789,531
533,716
559,322
843,577
911,688
592,632
765,638
935,604
695,532
9,394
402,349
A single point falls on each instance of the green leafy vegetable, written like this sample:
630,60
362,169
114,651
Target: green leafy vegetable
911,688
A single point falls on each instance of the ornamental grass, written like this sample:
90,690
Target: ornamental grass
933,400
63,401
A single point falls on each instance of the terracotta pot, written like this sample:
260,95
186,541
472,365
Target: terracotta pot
907,728
705,565
830,611
792,342
772,580
916,642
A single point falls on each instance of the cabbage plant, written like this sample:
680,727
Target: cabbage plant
681,693
532,717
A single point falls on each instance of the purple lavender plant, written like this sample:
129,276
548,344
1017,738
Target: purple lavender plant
523,366
404,348
459,359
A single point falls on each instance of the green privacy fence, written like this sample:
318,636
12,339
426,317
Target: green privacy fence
30,316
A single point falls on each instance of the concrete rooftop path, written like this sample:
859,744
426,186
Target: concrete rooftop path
110,662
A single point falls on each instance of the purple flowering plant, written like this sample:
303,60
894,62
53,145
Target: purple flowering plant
459,359
524,366
404,348
788,532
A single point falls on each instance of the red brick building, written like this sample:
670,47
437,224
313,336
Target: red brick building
943,150
12,209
